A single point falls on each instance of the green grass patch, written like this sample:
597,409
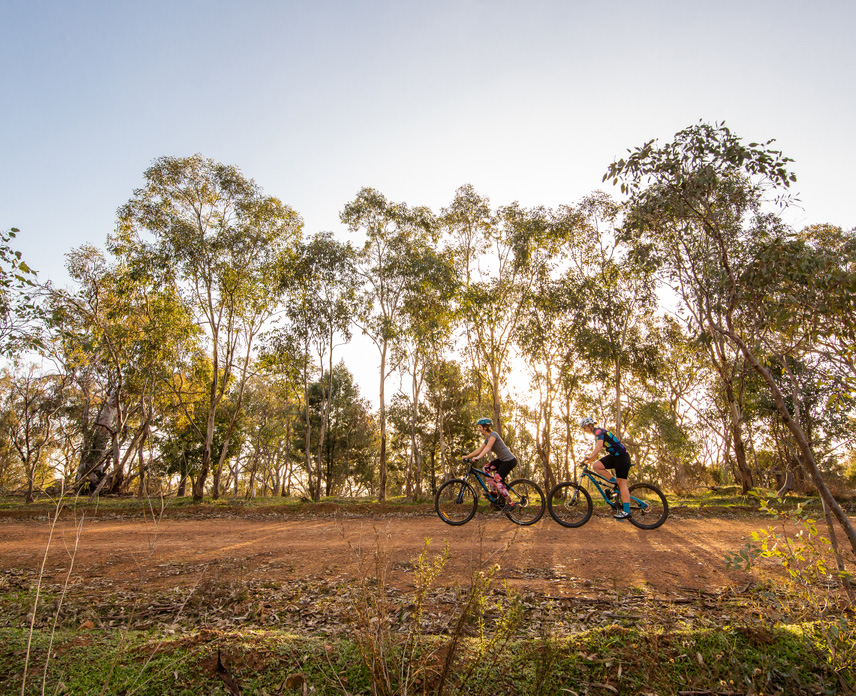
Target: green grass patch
737,659
128,506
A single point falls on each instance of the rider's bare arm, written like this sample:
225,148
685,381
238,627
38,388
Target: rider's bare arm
598,445
484,449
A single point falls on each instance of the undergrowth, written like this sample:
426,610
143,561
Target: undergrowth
737,659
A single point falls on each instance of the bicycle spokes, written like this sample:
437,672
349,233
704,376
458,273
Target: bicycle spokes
570,504
528,502
456,502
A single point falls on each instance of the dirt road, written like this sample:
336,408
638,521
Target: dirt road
686,553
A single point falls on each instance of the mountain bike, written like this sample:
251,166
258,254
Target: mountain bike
570,503
457,501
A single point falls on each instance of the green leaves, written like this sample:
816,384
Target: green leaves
20,309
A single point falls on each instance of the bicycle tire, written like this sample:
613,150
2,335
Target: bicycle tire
656,510
529,502
456,506
570,504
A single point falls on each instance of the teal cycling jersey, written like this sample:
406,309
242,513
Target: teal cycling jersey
610,442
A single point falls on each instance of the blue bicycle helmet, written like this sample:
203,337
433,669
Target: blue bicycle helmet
484,421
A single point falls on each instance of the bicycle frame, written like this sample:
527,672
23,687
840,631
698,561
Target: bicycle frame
592,476
481,477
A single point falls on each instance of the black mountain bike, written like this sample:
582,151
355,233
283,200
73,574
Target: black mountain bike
571,506
457,501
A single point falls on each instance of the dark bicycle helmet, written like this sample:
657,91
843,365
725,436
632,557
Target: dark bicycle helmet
484,421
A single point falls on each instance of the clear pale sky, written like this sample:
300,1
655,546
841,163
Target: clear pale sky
527,100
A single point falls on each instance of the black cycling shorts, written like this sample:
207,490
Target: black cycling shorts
619,462
503,468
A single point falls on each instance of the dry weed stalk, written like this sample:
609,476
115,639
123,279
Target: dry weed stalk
400,661
72,556
392,661
59,505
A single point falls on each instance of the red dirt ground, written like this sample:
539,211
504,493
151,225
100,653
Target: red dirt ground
686,554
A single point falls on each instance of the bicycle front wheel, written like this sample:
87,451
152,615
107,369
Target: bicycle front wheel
528,499
648,506
569,504
456,502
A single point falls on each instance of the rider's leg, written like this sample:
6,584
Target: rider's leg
500,485
624,490
504,469
599,468
490,470
622,468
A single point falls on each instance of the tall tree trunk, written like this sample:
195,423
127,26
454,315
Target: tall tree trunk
808,459
415,462
738,447
543,443
381,485
495,377
307,440
141,489
207,450
213,402
325,414
286,477
29,497
96,455
617,405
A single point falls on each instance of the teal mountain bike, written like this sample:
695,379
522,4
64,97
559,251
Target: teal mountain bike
457,501
570,503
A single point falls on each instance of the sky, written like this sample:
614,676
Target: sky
527,100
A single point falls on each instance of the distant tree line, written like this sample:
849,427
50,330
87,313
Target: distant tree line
204,350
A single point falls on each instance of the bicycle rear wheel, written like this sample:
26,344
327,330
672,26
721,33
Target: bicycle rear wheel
569,504
528,499
648,506
456,502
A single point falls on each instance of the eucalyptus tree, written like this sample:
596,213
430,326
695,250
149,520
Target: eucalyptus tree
350,445
20,311
803,312
548,341
115,333
501,256
321,298
428,317
12,474
331,283
94,330
224,244
177,440
394,236
162,344
467,223
696,209
286,355
89,342
28,410
825,255
668,416
452,397
618,297
828,422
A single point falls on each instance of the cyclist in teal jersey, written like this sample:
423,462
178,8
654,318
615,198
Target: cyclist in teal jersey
616,458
